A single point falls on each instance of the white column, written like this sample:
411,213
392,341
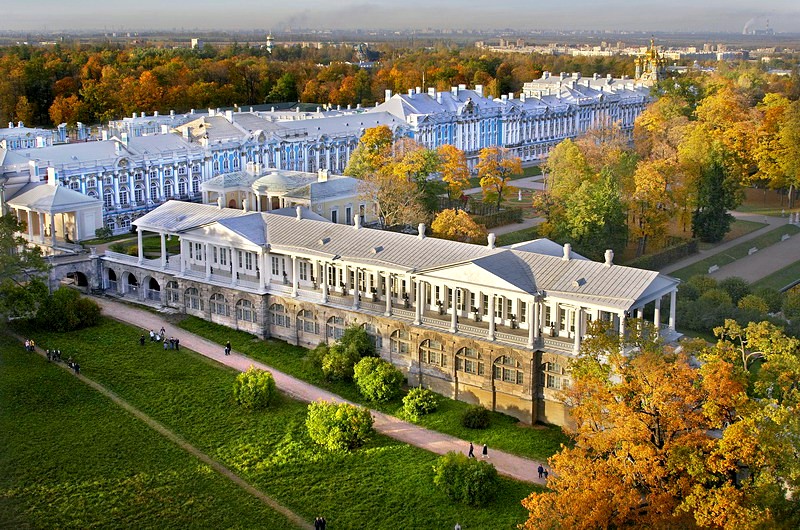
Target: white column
418,305
235,265
640,313
183,256
387,292
672,303
492,302
454,316
356,287
533,325
30,226
141,250
294,276
163,250
657,315
262,277
324,283
206,254
578,330
622,324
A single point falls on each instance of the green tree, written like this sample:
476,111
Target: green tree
377,379
285,89
716,195
20,265
254,389
338,427
67,310
466,480
419,402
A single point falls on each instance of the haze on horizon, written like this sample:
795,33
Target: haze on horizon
627,15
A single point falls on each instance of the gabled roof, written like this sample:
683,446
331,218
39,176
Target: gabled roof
53,199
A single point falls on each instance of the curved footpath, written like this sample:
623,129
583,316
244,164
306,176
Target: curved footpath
512,466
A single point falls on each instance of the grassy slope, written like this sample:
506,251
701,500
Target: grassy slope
506,433
385,485
73,459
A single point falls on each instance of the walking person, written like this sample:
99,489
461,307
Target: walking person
141,340
163,332
540,470
152,335
177,344
545,474
166,345
485,451
228,348
471,453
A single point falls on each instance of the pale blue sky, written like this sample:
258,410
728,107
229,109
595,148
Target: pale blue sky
646,15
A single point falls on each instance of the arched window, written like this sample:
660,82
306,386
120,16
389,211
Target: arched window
108,198
125,223
400,342
508,369
192,299
195,184
246,311
168,189
335,327
374,335
92,194
432,352
138,193
183,186
307,323
75,185
124,196
219,306
173,294
278,316
469,360
154,190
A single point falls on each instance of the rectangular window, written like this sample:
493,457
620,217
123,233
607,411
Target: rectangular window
348,215
304,271
214,254
248,261
485,304
276,271
334,216
223,256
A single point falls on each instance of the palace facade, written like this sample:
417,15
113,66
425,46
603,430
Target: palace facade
495,326
152,159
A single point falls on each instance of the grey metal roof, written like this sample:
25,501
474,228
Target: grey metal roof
53,199
178,216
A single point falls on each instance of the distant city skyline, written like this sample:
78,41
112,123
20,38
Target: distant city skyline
626,15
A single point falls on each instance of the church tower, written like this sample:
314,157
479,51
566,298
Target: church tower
651,67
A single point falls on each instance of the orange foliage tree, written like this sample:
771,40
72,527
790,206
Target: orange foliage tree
457,225
496,166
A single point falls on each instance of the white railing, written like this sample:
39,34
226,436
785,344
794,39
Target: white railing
404,313
558,344
124,258
510,337
473,330
373,306
435,322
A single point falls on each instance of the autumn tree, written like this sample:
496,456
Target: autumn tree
454,170
372,153
21,266
496,166
457,225
661,442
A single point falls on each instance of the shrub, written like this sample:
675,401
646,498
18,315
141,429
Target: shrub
377,380
772,297
476,417
716,296
132,250
254,389
418,402
103,233
791,303
67,310
339,361
467,480
752,302
338,427
737,287
702,283
117,247
356,337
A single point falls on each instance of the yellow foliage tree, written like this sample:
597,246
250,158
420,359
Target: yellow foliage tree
454,170
496,166
457,225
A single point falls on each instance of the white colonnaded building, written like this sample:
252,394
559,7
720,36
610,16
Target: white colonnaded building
495,326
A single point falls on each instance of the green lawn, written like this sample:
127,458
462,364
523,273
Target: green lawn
780,279
387,484
526,234
505,433
736,252
71,458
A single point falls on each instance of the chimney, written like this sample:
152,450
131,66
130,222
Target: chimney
20,124
454,91
421,230
545,75
155,114
124,138
562,75
462,87
411,92
134,115
491,238
510,96
432,91
576,75
164,129
522,97
229,115
191,111
104,135
357,222
596,76
609,258
220,202
567,251
479,90
503,98
299,211
322,175
245,205
439,98
171,113
419,90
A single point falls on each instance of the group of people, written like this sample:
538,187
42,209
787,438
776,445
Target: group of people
484,452
53,355
172,343
320,523
543,472
30,345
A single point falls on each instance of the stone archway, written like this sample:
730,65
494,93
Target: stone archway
130,284
152,289
76,279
